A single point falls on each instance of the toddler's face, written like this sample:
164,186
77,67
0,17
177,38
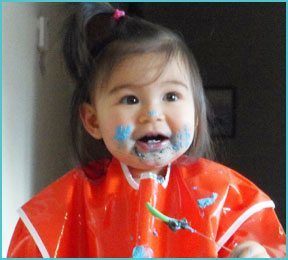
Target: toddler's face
147,120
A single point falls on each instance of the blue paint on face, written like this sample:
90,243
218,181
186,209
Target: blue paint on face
142,252
181,140
152,113
205,202
122,133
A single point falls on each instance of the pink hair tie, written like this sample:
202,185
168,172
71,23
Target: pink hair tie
118,14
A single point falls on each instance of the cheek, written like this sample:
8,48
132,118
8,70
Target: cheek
122,133
114,123
116,130
182,139
118,138
182,123
182,118
117,134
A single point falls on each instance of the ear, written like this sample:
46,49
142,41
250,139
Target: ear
89,120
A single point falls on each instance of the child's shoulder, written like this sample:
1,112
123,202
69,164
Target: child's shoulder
72,182
203,164
208,171
204,177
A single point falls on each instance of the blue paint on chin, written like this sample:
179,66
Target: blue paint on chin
181,140
205,202
122,133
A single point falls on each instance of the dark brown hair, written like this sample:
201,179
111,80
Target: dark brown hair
94,43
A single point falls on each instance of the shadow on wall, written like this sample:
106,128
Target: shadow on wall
52,149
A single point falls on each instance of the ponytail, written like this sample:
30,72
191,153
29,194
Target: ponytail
81,44
82,37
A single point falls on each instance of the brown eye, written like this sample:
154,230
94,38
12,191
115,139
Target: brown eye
171,97
129,100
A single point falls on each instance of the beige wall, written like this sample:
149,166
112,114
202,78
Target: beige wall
35,108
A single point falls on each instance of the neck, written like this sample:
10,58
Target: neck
136,173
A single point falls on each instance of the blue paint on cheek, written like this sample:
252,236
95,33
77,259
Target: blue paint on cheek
142,252
182,139
152,113
205,202
122,133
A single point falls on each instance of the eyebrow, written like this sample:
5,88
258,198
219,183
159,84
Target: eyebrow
176,82
131,86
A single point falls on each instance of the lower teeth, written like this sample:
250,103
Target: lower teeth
153,141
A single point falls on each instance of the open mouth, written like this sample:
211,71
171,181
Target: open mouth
152,142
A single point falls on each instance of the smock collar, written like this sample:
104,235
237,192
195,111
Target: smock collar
134,182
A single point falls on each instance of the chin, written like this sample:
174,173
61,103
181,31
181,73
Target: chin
153,166
144,165
150,164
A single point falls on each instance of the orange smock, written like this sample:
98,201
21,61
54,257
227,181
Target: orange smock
99,211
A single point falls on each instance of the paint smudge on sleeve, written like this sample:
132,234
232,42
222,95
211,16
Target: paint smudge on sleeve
142,252
122,133
205,202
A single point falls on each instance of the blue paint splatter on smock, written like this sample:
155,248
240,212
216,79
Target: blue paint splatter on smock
205,202
142,252
122,133
181,140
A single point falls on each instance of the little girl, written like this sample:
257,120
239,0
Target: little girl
139,92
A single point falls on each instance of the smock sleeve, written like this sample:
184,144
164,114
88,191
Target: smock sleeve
248,214
264,228
22,244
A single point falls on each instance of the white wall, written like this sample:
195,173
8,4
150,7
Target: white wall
35,108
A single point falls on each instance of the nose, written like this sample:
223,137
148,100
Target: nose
151,115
